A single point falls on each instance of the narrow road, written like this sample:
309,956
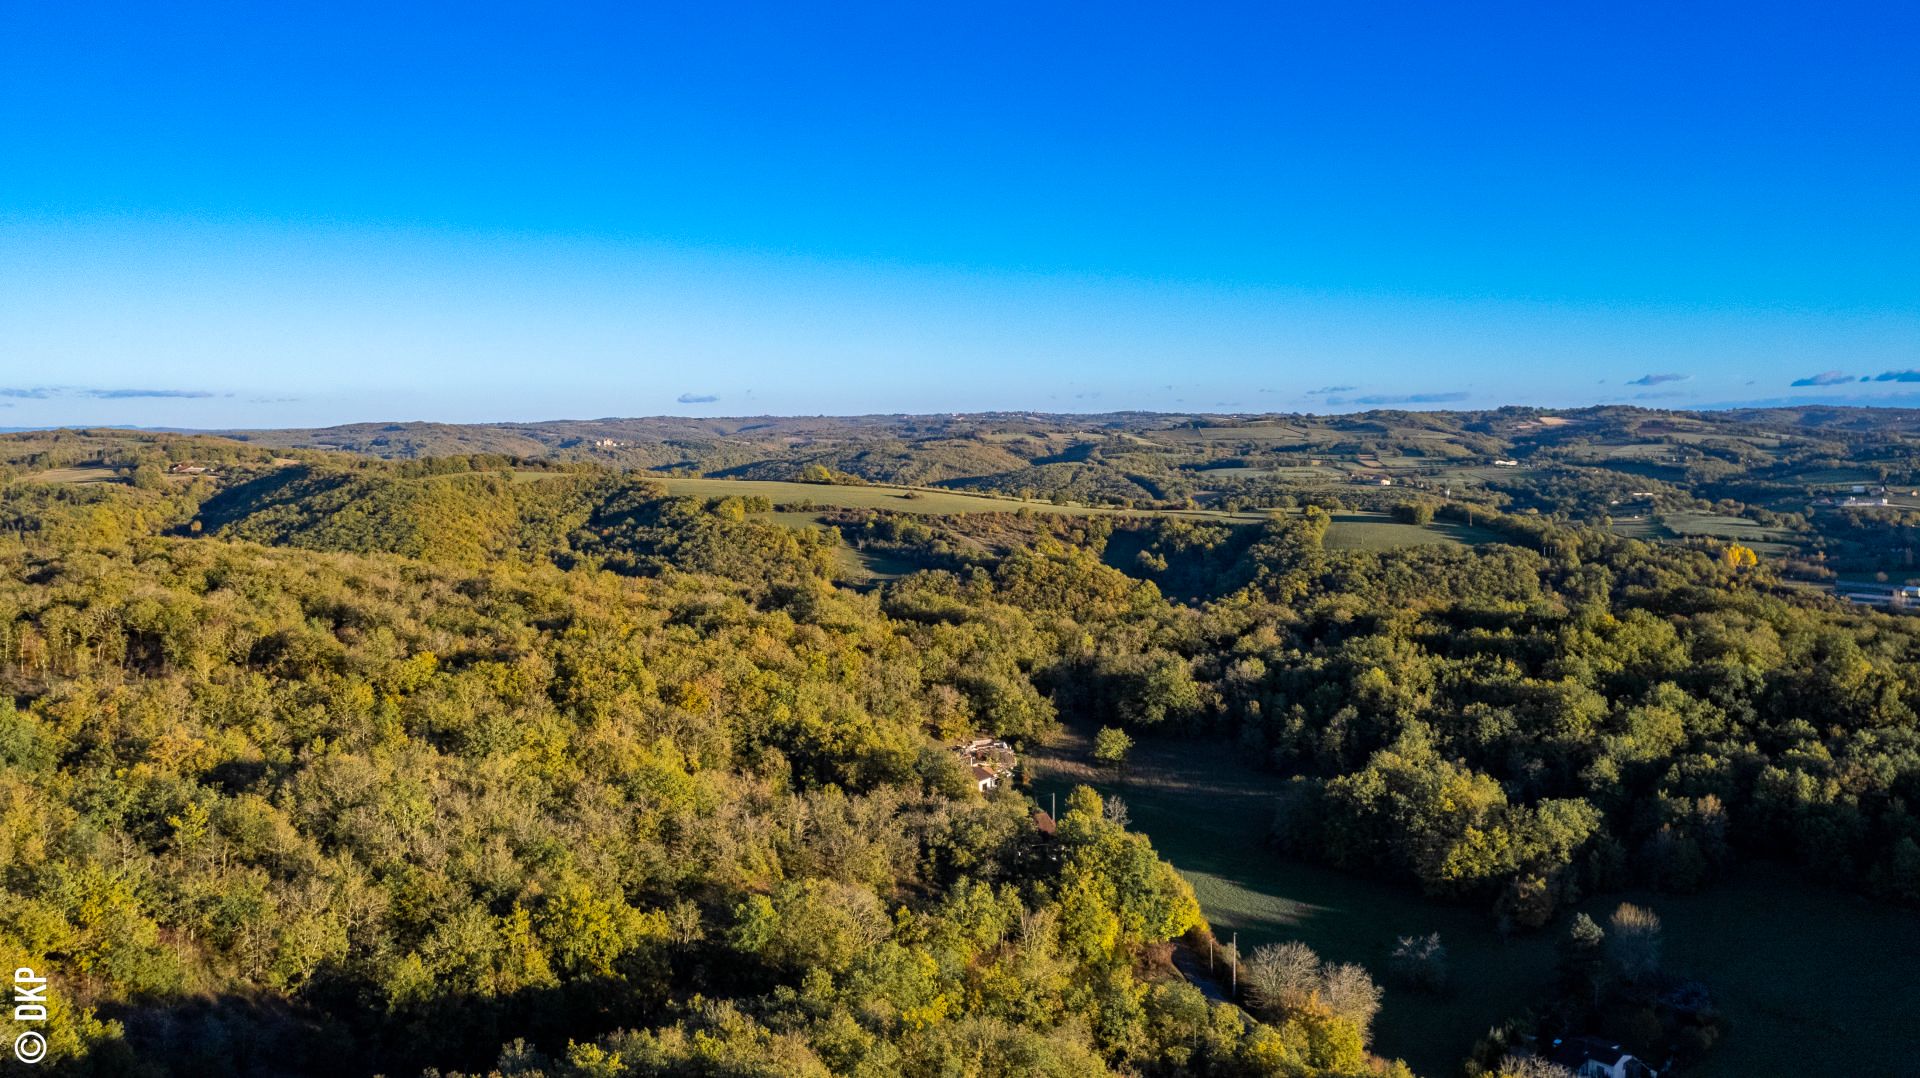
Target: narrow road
1193,967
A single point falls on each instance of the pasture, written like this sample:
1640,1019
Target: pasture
86,473
1773,541
1738,529
1640,526
1377,531
1802,973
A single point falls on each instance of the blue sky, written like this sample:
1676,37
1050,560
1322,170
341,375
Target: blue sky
221,215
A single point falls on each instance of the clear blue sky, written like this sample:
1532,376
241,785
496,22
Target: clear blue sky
301,213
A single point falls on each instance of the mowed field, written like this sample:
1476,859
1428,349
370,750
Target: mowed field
1802,973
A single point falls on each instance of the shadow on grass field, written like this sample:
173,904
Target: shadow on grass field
1812,981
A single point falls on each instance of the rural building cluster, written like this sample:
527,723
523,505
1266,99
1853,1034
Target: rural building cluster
989,760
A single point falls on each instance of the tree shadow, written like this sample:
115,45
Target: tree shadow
341,1033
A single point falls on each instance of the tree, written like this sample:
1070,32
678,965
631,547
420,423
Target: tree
1420,513
1902,876
1285,980
1159,687
1517,1066
1111,746
1633,943
1280,976
1582,968
1351,994
1420,962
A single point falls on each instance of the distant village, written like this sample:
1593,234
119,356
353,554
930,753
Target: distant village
1860,497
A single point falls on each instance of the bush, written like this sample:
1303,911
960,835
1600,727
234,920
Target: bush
1420,962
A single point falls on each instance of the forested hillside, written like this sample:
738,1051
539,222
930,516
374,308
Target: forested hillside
375,798
325,765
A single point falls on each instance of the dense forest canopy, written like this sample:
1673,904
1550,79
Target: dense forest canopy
315,763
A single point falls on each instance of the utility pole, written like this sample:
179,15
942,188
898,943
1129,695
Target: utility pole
1234,984
1053,799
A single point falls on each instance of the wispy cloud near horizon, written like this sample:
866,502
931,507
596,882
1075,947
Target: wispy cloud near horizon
127,394
1658,379
1824,378
40,393
1407,398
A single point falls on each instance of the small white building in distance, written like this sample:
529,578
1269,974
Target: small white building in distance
1506,464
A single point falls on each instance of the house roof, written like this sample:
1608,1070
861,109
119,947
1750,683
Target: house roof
1577,1050
981,772
1043,823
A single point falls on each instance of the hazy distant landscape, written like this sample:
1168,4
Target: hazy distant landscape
1643,473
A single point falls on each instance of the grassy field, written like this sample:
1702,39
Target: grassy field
899,499
85,474
1350,531
1735,529
1836,476
1307,473
1774,541
1802,973
1640,527
1375,531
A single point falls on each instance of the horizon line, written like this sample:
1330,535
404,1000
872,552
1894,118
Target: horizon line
1735,406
